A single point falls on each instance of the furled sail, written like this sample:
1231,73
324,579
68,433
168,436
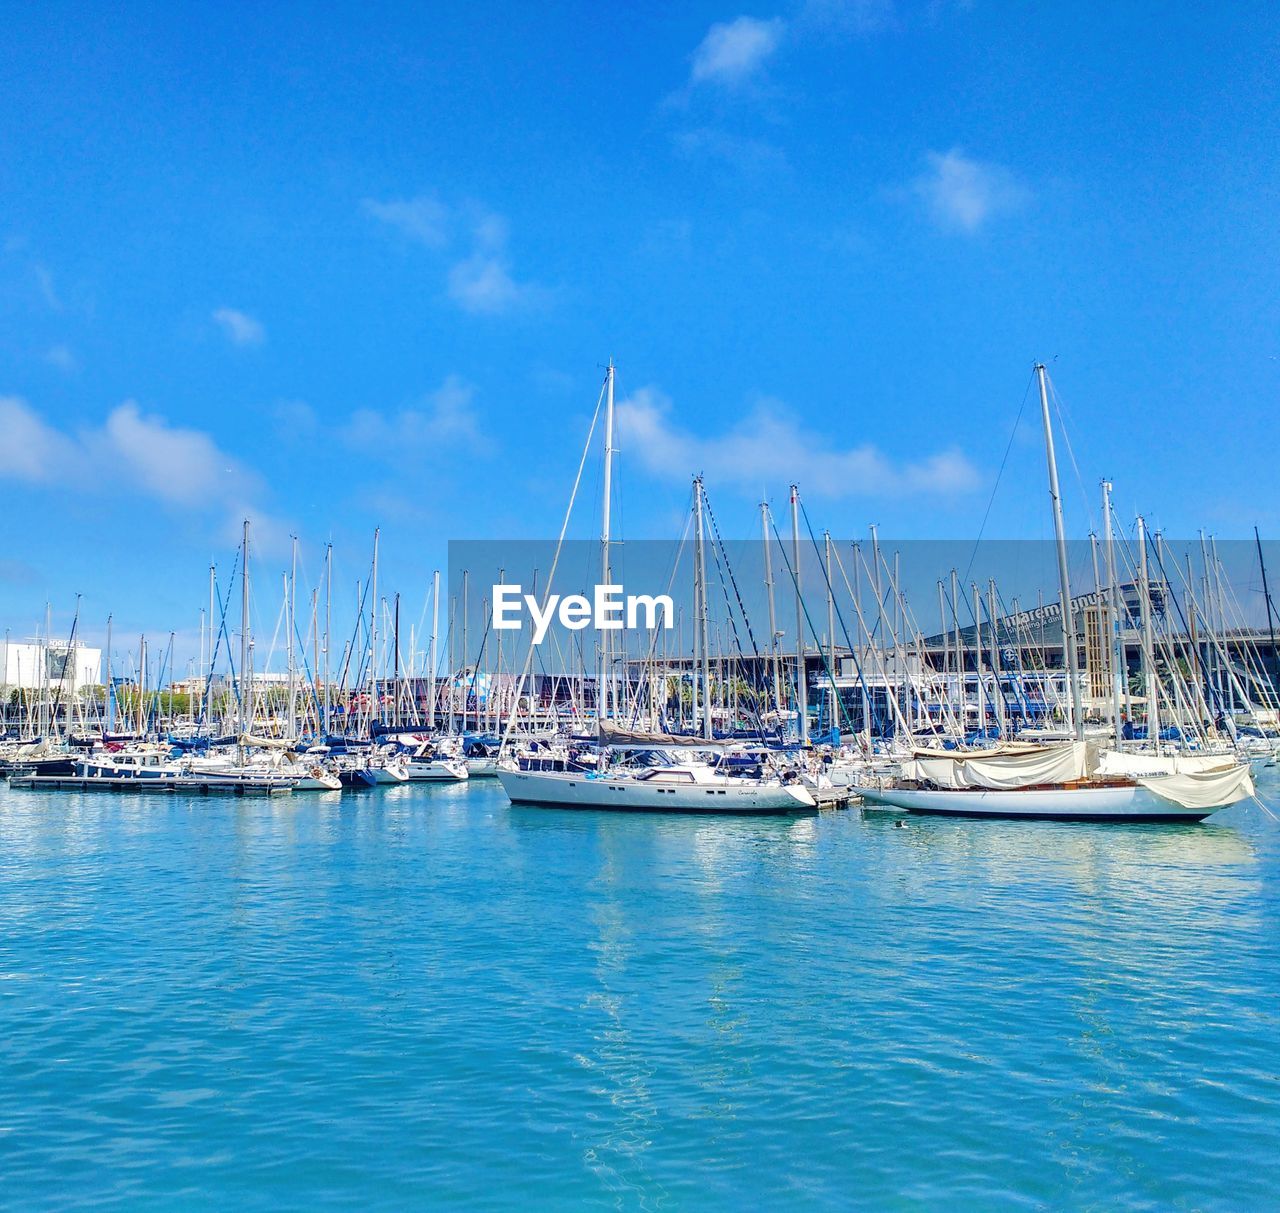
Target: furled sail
1003,769
1204,789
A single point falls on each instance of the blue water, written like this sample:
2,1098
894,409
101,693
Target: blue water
425,998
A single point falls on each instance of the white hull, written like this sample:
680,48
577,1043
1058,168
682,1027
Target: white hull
1127,803
575,791
393,773
437,770
483,768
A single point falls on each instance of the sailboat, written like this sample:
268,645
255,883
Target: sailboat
668,785
1064,782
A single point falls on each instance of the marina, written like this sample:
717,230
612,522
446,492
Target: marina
640,610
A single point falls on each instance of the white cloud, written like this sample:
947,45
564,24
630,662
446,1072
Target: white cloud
424,218
961,193
32,451
181,468
480,278
446,415
62,357
239,327
733,51
770,446
483,283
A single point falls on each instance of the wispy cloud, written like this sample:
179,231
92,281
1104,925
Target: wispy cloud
479,277
961,194
239,327
62,357
753,157
844,17
45,285
732,52
444,416
180,468
424,218
769,445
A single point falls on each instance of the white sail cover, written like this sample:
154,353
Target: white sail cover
1203,789
1121,762
1003,769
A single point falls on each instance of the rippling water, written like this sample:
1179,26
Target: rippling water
423,996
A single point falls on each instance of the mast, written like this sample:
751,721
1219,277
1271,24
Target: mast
997,699
208,674
602,680
328,619
1064,582
395,658
1114,640
244,633
977,660
376,705
435,628
466,609
702,610
1271,627
1148,656
773,618
293,627
831,636
962,691
111,702
802,690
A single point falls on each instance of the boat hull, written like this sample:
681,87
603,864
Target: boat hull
1040,804
574,791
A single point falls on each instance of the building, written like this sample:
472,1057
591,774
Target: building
36,665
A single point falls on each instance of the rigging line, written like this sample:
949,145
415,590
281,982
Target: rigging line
555,563
995,488
835,608
675,568
801,672
733,623
1058,407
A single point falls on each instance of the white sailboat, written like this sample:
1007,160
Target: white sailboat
671,787
1068,782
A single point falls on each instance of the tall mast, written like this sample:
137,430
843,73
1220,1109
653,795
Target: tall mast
376,703
1064,582
328,619
208,673
435,629
977,660
244,629
1114,638
997,699
111,701
293,629
802,690
833,720
395,658
466,610
1148,655
961,686
1271,627
602,682
702,610
773,618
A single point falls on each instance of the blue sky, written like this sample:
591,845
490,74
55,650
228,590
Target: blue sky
362,267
